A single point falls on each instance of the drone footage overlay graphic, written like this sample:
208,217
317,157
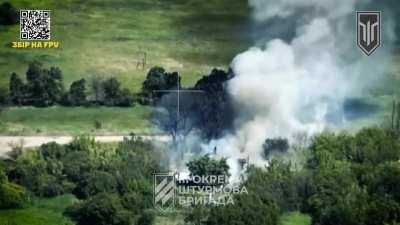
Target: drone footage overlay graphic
217,112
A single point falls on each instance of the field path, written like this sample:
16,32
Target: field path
34,141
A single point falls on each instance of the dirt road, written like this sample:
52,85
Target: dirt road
33,141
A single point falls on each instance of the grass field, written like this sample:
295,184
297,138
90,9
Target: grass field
49,212
42,211
291,218
295,218
171,219
74,120
107,37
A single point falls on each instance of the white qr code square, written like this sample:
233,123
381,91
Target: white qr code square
35,24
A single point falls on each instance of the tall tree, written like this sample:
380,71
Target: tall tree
97,90
77,93
45,86
158,79
111,91
17,89
34,71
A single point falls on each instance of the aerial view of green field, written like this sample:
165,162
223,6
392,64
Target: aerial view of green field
193,112
110,38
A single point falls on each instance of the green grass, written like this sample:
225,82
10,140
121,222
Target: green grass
74,120
40,212
170,219
295,218
106,37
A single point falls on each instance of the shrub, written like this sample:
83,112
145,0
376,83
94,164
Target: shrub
77,93
147,218
97,124
94,183
247,209
11,195
52,150
102,209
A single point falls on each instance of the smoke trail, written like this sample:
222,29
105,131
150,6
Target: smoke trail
285,87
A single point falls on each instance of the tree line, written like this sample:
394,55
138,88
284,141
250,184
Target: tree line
45,87
346,179
207,108
113,182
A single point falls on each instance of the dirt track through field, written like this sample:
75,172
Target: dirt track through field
6,142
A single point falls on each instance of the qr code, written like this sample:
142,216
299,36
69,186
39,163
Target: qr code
35,24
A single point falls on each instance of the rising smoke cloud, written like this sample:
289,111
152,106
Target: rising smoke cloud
285,87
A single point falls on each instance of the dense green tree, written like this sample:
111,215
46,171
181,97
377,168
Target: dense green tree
77,93
94,183
96,89
17,89
158,80
101,209
247,209
375,145
214,111
146,218
77,165
337,198
111,91
276,182
12,195
206,166
8,14
207,108
355,178
53,150
126,98
45,87
49,186
114,96
35,70
197,215
135,202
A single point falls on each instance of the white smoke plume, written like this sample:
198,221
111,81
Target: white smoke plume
286,87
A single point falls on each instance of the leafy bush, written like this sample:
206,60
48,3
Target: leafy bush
94,183
76,95
158,79
147,218
101,209
52,150
248,209
11,195
206,166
